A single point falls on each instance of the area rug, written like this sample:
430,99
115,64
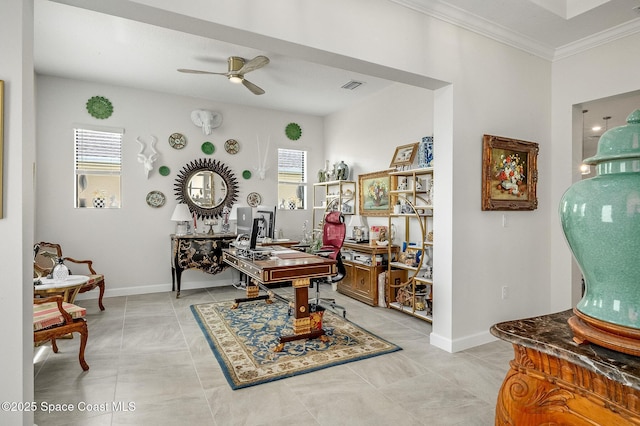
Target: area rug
243,340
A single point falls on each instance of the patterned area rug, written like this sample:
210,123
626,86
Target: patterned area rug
243,340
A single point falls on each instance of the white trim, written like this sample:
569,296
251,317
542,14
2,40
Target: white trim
147,289
461,344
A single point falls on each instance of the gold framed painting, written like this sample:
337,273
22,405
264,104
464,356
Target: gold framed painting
374,193
404,155
509,174
1,146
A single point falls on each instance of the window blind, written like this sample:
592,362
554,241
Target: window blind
98,152
291,166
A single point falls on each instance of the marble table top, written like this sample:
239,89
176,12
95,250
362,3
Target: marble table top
550,334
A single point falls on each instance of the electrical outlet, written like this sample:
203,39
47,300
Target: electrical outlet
505,292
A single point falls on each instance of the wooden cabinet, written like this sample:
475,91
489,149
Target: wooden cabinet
363,264
411,196
335,195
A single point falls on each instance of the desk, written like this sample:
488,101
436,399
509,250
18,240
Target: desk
553,380
69,288
197,251
285,265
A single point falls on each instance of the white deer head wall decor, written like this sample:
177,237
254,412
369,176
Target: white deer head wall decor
147,160
262,167
207,120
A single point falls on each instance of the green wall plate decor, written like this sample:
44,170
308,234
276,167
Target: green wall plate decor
208,148
99,107
246,174
164,170
293,131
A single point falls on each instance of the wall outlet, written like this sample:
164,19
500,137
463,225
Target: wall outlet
505,292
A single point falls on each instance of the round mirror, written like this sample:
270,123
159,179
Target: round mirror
206,186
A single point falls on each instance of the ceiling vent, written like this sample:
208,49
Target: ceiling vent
351,85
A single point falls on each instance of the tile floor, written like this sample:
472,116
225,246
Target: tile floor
149,351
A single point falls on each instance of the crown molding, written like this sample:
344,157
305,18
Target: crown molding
479,25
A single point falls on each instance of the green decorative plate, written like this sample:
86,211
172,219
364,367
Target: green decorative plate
254,199
164,170
208,148
246,174
156,199
232,146
293,131
99,107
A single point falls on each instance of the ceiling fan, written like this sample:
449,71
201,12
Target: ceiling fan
238,67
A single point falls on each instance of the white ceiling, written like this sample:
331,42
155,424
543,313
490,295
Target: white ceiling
83,44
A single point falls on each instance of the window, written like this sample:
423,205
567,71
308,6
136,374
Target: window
98,165
292,179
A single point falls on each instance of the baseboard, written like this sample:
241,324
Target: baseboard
147,289
461,344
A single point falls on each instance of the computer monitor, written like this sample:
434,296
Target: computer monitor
267,214
245,220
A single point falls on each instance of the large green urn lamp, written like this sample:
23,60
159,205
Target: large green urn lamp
601,221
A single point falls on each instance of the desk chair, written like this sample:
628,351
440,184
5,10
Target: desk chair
333,233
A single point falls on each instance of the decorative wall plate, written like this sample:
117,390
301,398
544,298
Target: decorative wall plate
293,131
99,107
156,199
254,199
246,174
208,148
177,141
164,170
232,146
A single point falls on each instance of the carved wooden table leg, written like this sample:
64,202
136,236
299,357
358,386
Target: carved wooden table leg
253,293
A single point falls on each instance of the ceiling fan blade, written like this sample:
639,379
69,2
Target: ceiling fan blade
200,72
254,89
254,64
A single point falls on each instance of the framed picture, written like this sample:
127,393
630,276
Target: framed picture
374,193
509,174
1,144
404,155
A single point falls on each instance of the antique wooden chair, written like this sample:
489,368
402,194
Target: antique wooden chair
53,318
43,264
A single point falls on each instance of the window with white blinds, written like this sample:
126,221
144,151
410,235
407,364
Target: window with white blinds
292,179
98,165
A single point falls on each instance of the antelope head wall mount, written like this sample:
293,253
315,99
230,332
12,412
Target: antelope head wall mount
147,160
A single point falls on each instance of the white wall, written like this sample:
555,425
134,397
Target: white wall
16,225
494,89
131,245
607,70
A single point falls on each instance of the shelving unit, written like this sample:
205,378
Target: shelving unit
413,189
335,195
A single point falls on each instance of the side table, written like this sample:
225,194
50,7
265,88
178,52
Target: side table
68,288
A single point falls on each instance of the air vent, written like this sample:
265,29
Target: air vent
351,85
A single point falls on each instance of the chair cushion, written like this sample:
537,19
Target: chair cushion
47,314
95,279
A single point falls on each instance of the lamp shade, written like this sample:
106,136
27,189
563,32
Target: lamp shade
356,220
181,213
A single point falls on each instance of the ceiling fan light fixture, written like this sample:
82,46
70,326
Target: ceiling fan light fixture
236,79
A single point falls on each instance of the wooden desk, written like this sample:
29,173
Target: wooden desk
553,380
197,251
285,265
68,288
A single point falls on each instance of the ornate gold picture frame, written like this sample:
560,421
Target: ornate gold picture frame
509,174
374,193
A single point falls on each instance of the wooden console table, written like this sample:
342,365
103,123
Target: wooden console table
553,380
199,251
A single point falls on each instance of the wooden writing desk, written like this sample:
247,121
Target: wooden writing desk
285,265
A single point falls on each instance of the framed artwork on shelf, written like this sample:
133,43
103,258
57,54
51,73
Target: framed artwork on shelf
509,174
404,155
374,193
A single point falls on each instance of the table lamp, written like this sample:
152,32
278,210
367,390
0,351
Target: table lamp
182,216
357,224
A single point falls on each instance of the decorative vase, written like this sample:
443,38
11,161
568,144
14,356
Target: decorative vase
342,171
99,202
601,222
425,152
60,271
